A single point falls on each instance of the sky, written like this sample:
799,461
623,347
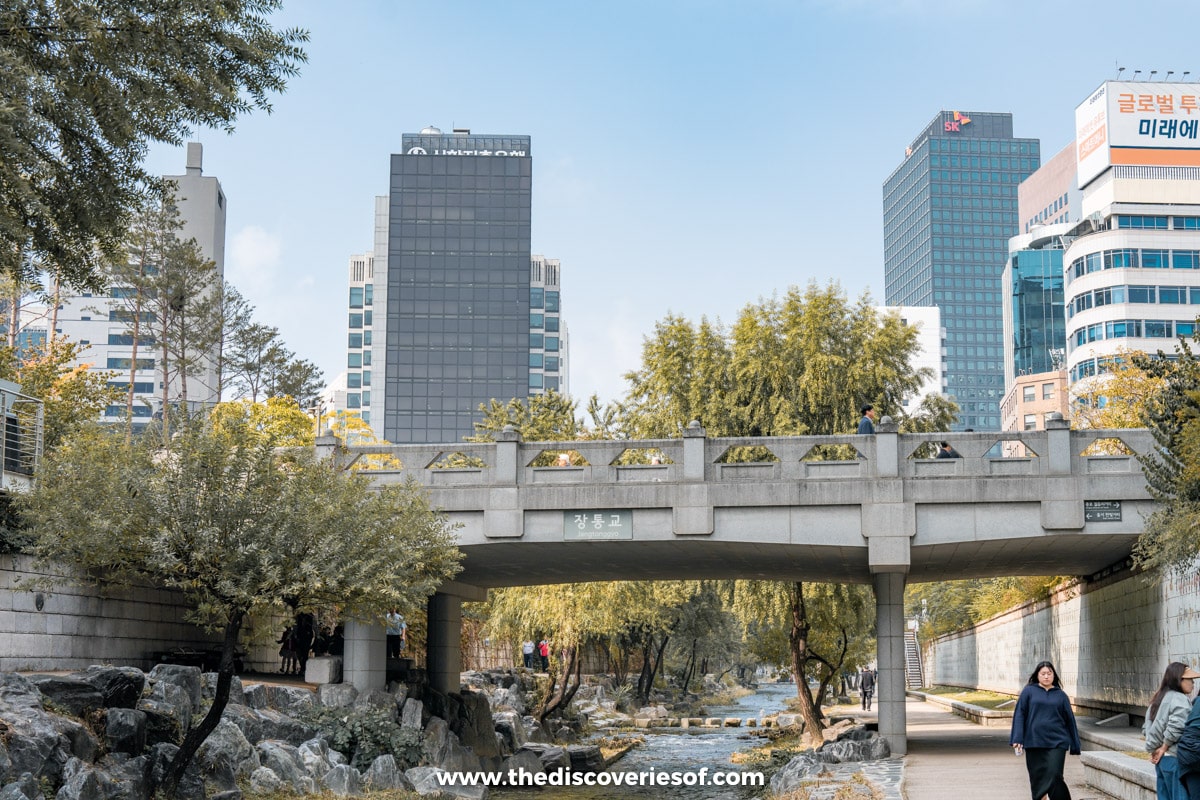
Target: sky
689,158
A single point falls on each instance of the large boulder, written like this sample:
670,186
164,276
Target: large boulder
73,695
384,774
284,760
168,711
125,731
314,755
35,741
186,678
551,756
24,788
227,747
585,758
523,762
248,721
512,731
411,716
208,688
337,695
474,726
264,781
343,781
427,781
255,695
290,700
120,687
378,698
274,725
796,772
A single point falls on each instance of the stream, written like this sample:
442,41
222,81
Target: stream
679,752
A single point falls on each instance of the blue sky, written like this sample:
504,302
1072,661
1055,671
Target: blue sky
689,157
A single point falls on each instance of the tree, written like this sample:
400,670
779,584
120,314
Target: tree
1120,398
88,85
223,517
1172,468
254,348
351,429
73,396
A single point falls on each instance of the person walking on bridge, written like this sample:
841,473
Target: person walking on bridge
1044,729
1165,719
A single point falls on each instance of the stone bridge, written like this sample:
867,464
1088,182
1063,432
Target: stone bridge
1051,502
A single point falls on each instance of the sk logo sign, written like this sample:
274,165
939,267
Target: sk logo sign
955,125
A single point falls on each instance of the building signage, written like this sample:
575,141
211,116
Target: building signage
1101,510
597,525
421,151
956,124
1138,124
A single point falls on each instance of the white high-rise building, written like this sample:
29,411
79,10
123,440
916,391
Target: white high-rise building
96,320
931,355
1132,268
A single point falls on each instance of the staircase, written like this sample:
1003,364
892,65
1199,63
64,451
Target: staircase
913,674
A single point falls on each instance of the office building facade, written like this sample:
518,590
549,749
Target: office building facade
101,322
949,210
1132,270
457,287
1034,320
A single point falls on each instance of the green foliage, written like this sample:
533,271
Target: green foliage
364,734
1172,469
88,85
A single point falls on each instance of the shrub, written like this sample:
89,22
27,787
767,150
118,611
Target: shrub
364,734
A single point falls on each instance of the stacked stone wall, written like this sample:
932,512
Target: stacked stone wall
1109,639
80,624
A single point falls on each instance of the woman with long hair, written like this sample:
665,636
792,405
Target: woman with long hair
1165,720
1044,730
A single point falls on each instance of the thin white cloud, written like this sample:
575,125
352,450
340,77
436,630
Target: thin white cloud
254,258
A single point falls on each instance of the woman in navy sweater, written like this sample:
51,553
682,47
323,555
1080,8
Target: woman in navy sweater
1044,729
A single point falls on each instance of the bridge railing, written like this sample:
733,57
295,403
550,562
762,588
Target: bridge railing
696,457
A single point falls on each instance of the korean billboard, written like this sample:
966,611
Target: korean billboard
1137,124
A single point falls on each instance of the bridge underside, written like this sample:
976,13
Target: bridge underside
513,563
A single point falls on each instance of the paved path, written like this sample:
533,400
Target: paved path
950,758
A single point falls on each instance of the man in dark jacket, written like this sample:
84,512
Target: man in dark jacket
866,687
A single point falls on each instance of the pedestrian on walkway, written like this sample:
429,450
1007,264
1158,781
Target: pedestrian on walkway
1044,729
866,423
1165,718
866,686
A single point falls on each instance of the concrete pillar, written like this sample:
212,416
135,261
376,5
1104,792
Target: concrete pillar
889,682
1058,432
365,659
887,448
506,468
443,655
693,452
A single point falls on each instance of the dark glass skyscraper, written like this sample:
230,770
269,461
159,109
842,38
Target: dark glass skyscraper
948,212
1034,285
458,282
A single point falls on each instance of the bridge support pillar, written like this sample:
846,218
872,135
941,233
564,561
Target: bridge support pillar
890,687
443,654
365,659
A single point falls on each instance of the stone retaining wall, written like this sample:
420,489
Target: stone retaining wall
79,624
1110,640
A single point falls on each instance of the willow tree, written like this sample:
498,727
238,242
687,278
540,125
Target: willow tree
800,364
238,527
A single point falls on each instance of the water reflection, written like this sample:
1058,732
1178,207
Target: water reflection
680,752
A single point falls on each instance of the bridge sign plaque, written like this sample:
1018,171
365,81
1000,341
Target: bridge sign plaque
1101,510
597,525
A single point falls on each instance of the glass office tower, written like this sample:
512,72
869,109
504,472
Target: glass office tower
1034,316
458,288
948,212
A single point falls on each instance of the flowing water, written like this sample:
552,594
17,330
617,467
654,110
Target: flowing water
680,753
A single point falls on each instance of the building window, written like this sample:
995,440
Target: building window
535,341
354,360
552,324
535,380
1027,394
552,301
536,321
1047,391
356,321
366,358
126,363
551,383
552,344
366,338
353,400
353,380
535,360
537,297
367,318
356,297
369,294
551,363
366,398
1031,422
366,377
356,340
